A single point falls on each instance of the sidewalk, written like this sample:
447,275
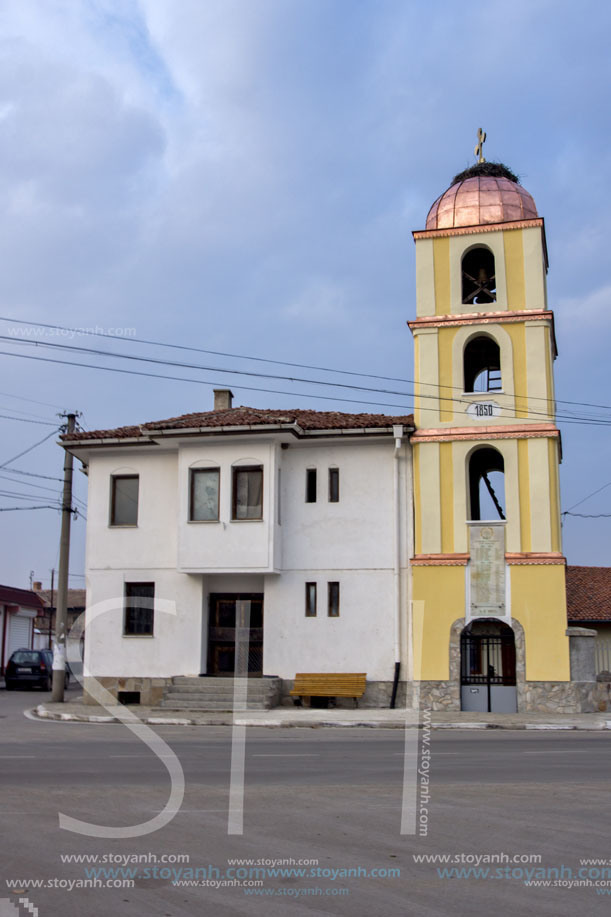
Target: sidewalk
303,717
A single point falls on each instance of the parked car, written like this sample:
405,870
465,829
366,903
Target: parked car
31,667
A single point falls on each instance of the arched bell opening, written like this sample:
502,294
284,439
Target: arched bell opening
478,276
486,485
482,365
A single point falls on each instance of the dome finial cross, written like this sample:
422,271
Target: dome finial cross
479,149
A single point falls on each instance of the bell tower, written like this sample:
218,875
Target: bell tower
486,447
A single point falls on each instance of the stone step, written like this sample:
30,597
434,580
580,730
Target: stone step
210,679
193,697
222,689
216,694
216,705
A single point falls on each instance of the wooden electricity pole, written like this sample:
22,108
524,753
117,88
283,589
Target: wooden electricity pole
61,614
51,606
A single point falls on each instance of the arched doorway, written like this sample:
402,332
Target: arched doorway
488,667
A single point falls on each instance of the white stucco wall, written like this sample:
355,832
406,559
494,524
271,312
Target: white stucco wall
174,648
226,545
351,542
150,544
359,640
357,532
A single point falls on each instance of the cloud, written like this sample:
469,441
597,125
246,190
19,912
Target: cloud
321,304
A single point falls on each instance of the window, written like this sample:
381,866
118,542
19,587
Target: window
310,485
487,484
482,365
247,502
139,609
333,485
124,499
333,600
310,600
204,495
478,277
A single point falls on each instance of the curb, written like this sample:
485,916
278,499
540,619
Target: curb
42,713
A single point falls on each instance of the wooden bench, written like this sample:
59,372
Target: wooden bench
330,684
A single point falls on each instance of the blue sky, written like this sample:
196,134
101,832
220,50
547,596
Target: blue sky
244,176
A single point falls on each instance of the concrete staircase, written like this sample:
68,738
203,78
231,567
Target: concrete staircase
209,693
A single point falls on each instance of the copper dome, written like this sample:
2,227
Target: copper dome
479,200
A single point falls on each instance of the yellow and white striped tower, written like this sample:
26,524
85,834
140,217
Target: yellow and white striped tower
488,555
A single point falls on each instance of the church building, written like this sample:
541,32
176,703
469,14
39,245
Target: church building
488,572
423,551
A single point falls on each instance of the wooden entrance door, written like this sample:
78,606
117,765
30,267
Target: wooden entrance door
222,633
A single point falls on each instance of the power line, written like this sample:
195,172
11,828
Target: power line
30,448
29,483
132,372
46,404
438,398
21,413
33,474
221,353
588,515
14,509
46,423
242,372
20,495
593,494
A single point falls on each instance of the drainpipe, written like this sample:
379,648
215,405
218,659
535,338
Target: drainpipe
398,434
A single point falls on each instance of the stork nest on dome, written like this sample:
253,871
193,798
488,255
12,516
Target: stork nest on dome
492,169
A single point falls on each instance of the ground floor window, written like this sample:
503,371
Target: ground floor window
138,617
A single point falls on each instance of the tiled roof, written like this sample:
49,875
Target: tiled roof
10,595
76,597
245,416
588,593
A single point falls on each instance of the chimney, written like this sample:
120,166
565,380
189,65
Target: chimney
223,398
36,585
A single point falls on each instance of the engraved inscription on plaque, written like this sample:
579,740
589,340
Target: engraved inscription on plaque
487,569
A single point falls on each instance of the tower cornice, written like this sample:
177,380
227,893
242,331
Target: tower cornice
485,318
513,431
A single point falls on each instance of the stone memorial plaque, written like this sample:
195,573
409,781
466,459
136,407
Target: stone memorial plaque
487,570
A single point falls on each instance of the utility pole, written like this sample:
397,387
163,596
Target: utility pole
61,614
51,606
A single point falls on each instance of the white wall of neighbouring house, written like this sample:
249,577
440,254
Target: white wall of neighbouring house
359,640
351,542
152,542
174,648
357,532
226,545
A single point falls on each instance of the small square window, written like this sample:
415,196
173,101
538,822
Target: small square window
310,600
247,497
333,600
310,485
124,499
139,609
204,495
333,485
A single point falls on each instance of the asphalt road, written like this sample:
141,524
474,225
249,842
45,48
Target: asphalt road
329,795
